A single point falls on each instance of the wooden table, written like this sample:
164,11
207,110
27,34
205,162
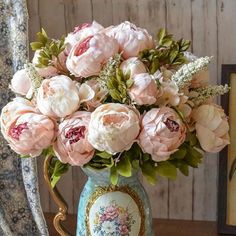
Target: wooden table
161,227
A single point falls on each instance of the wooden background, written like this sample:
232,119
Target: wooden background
210,24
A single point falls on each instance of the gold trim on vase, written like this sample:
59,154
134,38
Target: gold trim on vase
58,199
124,189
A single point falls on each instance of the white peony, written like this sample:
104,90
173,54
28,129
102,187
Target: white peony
113,128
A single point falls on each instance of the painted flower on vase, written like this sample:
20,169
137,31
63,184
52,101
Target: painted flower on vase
113,220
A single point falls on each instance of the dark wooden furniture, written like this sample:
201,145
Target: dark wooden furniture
161,227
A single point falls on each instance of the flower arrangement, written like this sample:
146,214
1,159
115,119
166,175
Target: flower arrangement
115,98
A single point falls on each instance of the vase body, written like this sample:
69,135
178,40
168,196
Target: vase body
108,210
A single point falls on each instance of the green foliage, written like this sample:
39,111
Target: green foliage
116,82
169,52
166,169
149,171
47,47
56,170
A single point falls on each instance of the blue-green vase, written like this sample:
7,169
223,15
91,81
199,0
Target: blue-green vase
108,210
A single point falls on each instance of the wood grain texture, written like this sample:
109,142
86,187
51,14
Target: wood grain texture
208,24
204,38
178,22
160,227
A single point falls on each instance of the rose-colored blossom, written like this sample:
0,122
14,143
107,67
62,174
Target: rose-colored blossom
123,230
86,58
131,38
30,133
72,145
113,127
14,109
132,66
144,89
212,127
111,213
58,96
20,82
162,132
82,32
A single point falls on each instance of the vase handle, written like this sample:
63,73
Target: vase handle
58,199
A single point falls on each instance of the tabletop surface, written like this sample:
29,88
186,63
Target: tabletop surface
161,227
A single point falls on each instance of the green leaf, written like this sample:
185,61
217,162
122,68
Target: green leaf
114,176
161,34
180,154
232,170
192,138
36,45
184,169
166,169
193,157
124,166
166,42
149,172
129,83
104,155
135,164
54,180
25,156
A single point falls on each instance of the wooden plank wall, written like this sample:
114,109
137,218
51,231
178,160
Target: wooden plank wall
210,24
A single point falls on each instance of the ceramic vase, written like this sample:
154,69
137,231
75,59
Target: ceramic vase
108,210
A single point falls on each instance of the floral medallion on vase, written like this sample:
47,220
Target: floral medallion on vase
115,101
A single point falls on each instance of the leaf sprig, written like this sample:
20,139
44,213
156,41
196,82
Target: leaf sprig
168,53
48,48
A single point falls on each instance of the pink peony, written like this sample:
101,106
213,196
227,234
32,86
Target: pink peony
82,32
132,66
162,133
144,89
13,110
201,79
86,58
20,82
131,38
30,133
212,127
72,145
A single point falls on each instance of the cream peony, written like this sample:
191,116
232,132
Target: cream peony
212,127
72,145
113,128
131,38
86,58
144,89
100,93
82,32
162,132
30,133
58,97
201,79
132,66
20,82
